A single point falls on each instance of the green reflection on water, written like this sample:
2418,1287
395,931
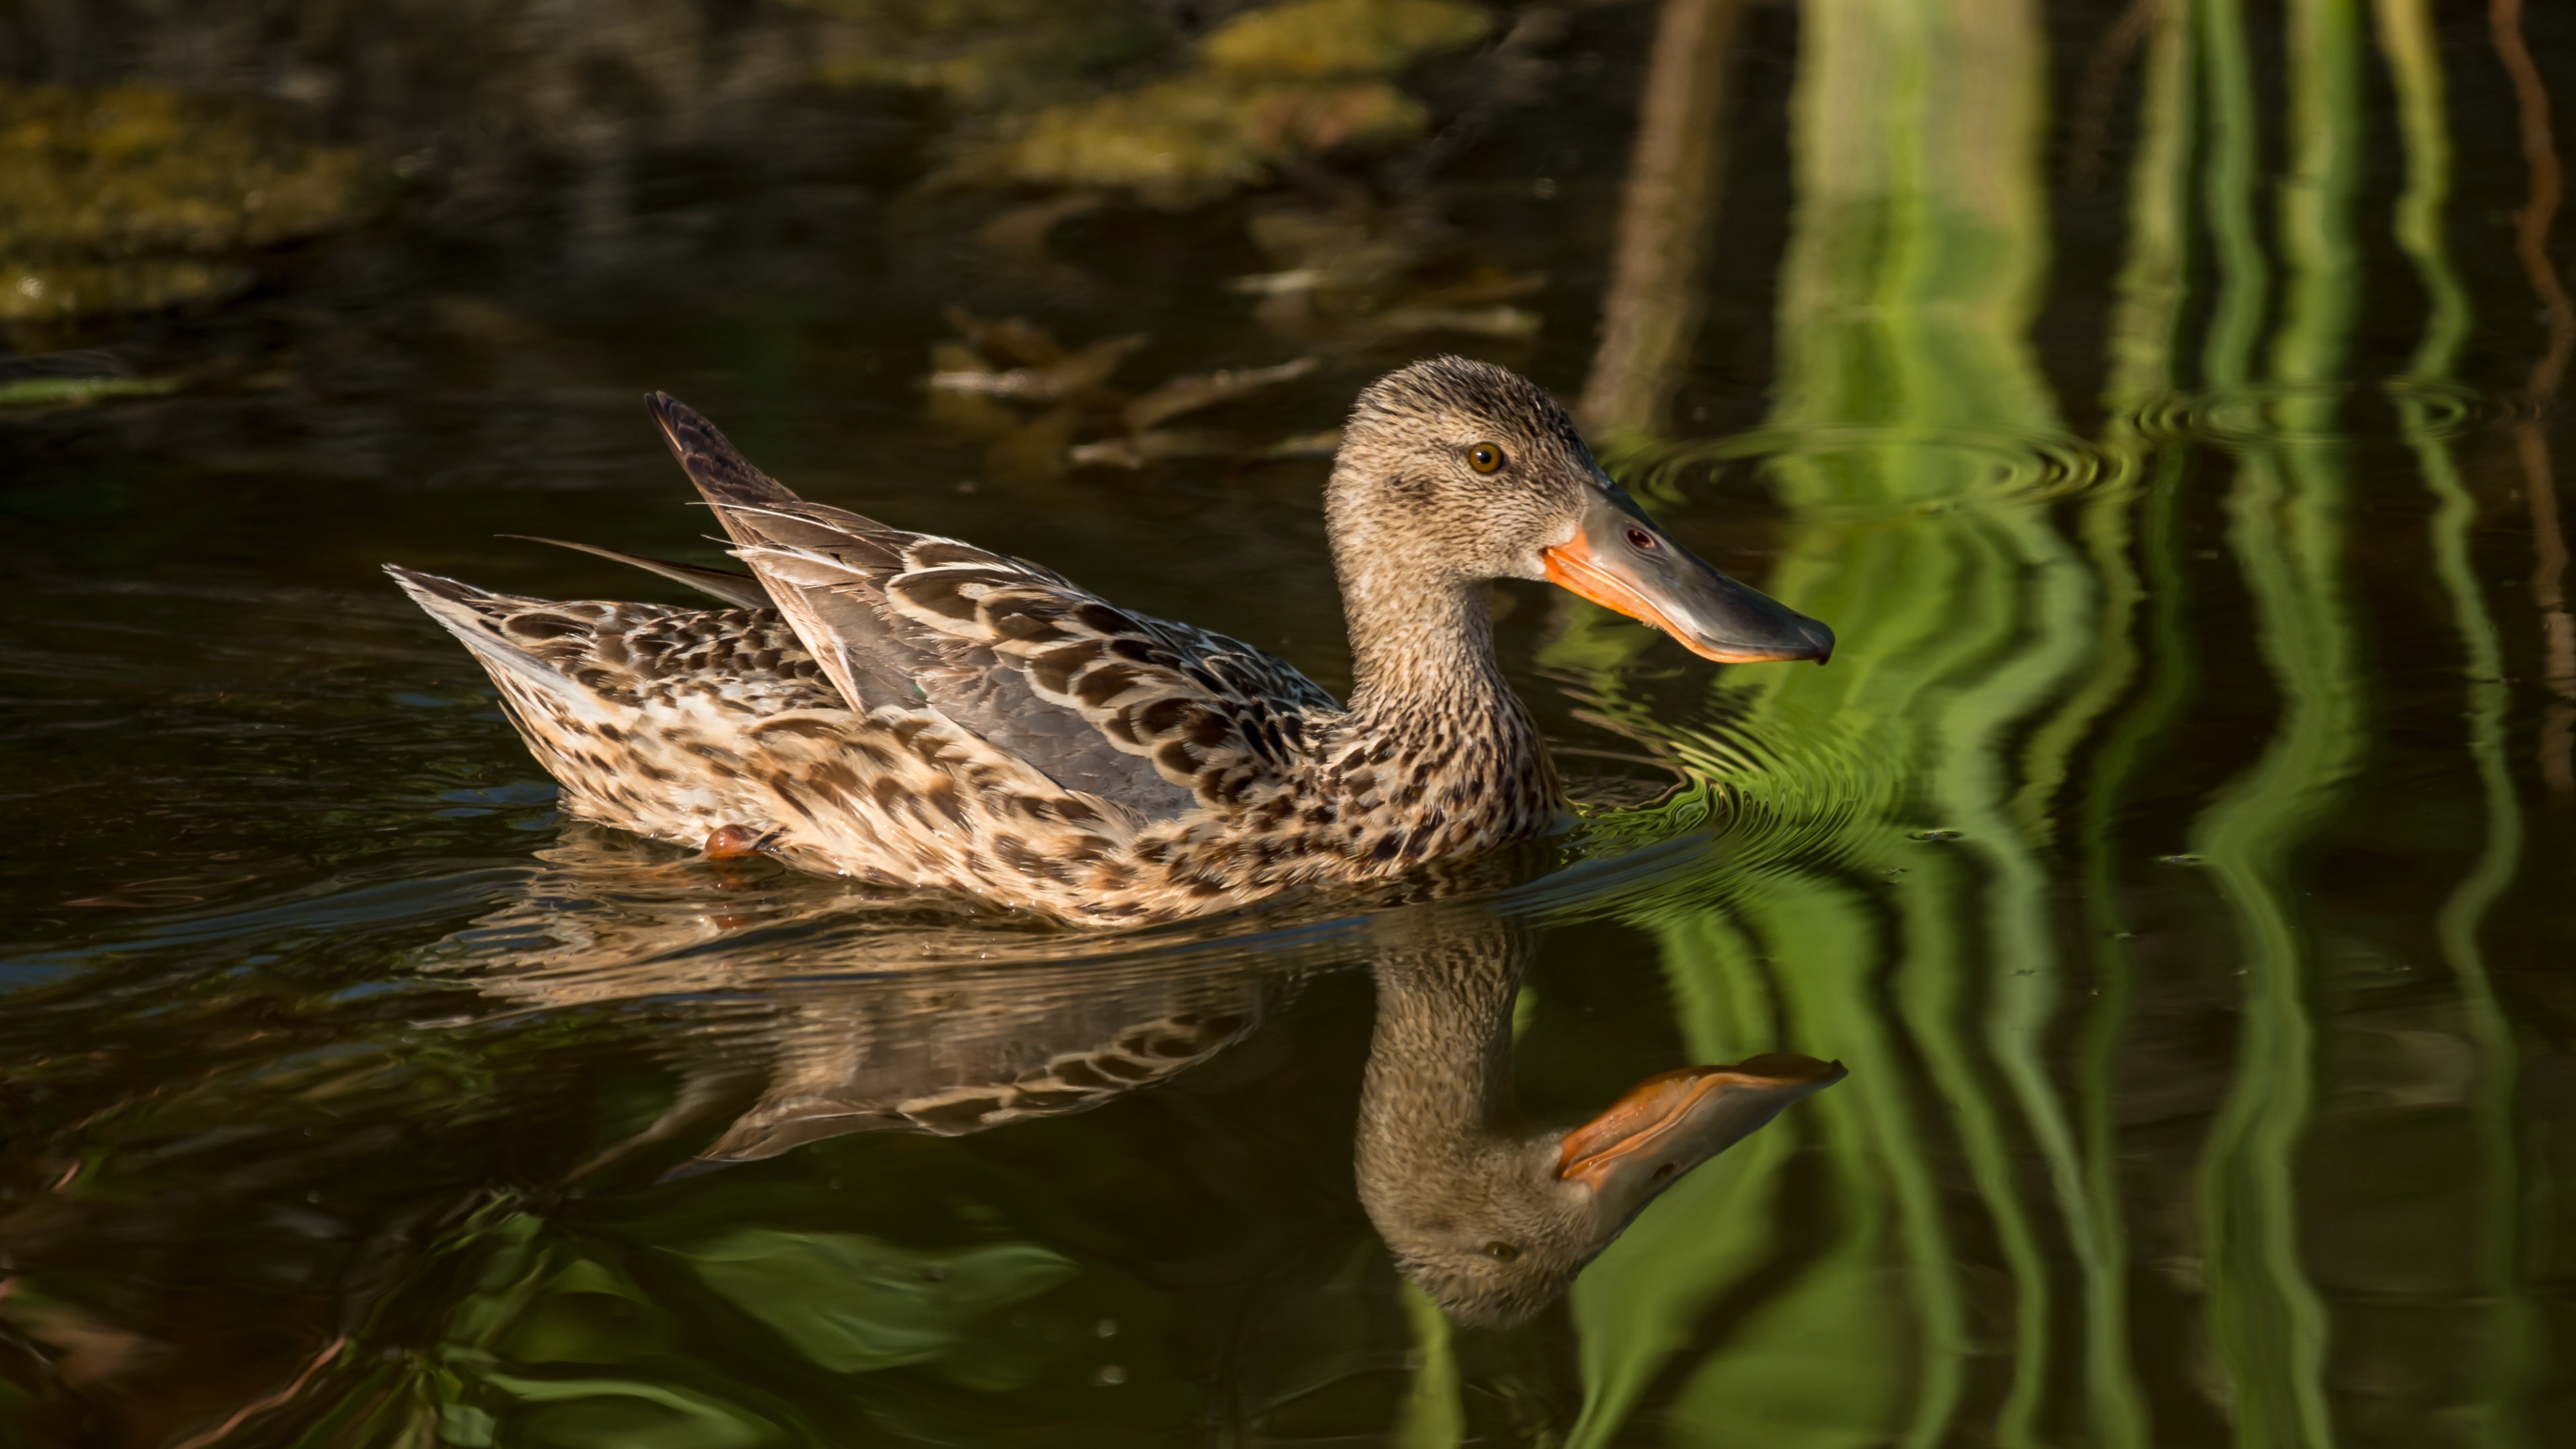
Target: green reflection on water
2287,531
1987,658
2415,66
1917,255
2146,317
1431,1417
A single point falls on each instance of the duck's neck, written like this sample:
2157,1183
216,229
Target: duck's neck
1440,1064
1426,685
1417,643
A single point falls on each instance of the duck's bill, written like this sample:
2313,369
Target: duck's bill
1671,1123
1620,560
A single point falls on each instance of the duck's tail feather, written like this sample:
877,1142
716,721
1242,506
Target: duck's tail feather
743,591
475,616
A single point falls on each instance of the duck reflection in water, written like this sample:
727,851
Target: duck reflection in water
1494,1223
1491,1218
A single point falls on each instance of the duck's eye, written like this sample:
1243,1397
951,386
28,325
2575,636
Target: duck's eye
1501,1252
1638,538
1484,457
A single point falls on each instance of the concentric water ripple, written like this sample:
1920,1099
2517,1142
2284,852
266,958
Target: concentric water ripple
1757,806
2330,413
1943,466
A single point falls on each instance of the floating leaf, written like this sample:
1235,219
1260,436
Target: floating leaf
71,391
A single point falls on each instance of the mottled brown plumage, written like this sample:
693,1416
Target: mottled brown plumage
918,711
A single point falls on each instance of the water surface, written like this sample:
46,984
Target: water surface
2160,403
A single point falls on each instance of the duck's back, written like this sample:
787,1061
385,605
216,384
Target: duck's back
1159,717
913,709
677,723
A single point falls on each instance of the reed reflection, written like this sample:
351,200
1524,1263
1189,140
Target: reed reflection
1957,852
1903,892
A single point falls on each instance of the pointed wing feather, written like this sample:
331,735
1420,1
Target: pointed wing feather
740,590
845,633
1158,717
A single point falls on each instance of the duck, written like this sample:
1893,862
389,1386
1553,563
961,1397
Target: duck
915,711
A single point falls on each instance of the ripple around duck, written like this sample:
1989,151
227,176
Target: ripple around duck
1798,804
1998,465
615,925
1753,810
2313,414
606,918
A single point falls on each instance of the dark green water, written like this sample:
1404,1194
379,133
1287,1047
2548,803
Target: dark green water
2178,852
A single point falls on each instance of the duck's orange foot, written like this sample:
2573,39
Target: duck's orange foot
733,842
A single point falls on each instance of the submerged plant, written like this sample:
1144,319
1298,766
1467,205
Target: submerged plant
133,198
991,54
1264,88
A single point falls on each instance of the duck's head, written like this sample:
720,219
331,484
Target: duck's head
1453,472
1497,1232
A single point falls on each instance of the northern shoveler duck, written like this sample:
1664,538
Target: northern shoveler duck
918,711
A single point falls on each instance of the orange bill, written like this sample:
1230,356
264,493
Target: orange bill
1621,561
1672,1122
